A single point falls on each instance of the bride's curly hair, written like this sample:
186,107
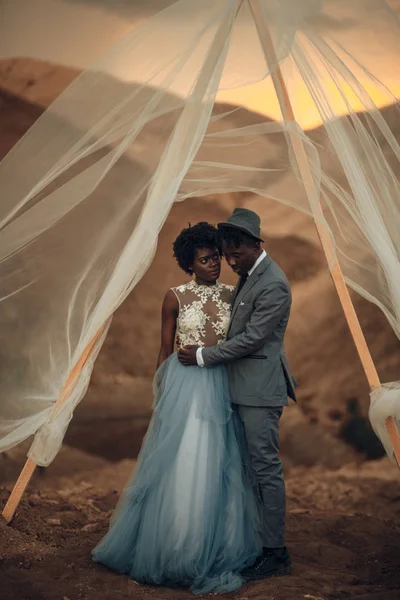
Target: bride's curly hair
201,235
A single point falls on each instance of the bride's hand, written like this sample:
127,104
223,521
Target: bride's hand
187,355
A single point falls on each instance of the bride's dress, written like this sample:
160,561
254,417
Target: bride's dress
188,517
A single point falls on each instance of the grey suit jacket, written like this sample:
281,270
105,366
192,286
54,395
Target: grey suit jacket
258,369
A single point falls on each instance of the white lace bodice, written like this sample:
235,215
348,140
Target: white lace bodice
204,313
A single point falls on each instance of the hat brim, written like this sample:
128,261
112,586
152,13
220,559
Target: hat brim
244,229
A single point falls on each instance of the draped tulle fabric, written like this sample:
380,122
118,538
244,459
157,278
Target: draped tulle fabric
189,516
86,191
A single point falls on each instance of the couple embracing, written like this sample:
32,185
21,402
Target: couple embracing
206,505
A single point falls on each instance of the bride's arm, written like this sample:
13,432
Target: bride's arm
169,314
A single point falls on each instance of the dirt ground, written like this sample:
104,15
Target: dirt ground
343,535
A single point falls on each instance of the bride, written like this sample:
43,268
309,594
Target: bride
188,517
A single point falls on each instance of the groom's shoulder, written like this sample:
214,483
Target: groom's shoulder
273,271
274,274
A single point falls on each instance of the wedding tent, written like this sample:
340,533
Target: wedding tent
71,252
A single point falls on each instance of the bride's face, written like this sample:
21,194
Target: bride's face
207,265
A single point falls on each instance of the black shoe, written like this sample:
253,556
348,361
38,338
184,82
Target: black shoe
269,564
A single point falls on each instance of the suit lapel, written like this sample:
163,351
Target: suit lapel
245,289
251,281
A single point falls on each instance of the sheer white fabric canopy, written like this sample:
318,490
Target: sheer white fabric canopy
87,189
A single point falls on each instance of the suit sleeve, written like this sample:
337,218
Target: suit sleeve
270,307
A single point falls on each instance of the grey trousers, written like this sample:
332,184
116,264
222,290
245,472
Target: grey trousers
261,426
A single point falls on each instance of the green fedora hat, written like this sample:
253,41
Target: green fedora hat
246,220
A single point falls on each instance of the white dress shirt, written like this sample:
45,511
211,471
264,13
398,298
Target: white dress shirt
199,353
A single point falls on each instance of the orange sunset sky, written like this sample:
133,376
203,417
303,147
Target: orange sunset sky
75,32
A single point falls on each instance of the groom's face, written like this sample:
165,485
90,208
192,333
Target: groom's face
241,258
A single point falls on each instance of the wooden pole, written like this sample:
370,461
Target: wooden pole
324,236
30,465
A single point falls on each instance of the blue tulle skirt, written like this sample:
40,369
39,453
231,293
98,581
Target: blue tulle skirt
189,516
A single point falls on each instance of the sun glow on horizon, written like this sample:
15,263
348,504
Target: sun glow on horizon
261,98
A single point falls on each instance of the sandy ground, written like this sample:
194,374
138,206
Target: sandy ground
343,535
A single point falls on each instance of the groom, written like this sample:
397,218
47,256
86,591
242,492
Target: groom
259,377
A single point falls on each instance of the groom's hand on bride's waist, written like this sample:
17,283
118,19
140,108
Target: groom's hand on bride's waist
187,355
